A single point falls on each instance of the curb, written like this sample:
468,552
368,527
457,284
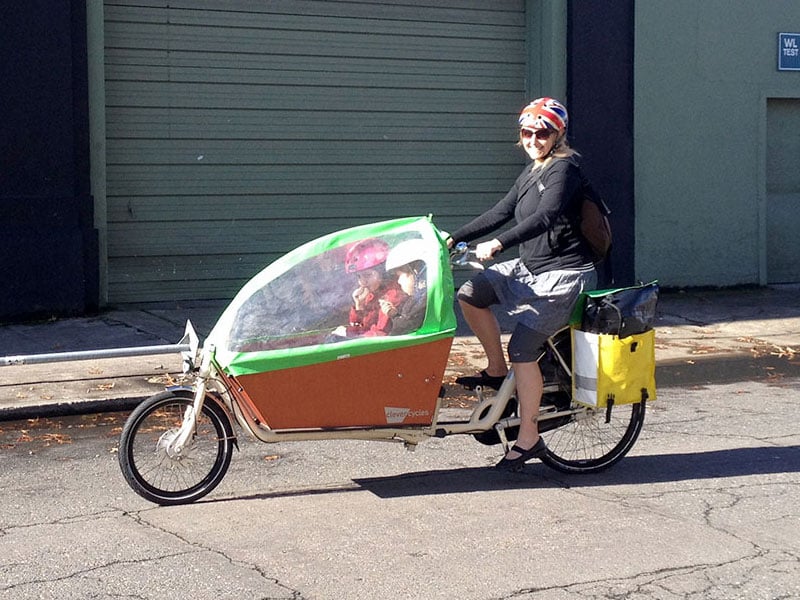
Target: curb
69,409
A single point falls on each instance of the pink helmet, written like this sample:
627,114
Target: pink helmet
544,113
366,254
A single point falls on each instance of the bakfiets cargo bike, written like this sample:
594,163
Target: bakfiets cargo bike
348,337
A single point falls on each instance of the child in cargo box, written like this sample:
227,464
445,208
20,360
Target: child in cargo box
407,264
367,260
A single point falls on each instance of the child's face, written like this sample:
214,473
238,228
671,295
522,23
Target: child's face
370,279
406,281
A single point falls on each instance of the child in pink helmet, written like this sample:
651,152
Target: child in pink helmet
367,259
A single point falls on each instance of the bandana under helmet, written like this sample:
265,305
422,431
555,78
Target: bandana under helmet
544,113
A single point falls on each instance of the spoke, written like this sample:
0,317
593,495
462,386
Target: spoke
168,473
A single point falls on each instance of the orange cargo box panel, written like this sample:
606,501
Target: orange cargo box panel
391,388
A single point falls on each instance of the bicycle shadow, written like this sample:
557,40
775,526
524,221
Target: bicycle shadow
633,470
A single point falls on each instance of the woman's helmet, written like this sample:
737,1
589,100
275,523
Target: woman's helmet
406,252
366,254
544,113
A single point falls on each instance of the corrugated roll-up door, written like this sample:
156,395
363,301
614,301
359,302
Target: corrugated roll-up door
238,130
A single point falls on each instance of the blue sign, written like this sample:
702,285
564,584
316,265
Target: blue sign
789,52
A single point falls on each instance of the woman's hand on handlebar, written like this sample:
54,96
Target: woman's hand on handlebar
487,250
459,257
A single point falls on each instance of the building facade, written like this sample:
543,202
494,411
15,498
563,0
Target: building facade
167,150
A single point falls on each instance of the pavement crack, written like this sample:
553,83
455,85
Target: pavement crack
293,594
680,319
663,583
93,569
607,588
70,519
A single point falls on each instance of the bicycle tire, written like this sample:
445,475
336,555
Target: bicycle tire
587,444
590,440
167,480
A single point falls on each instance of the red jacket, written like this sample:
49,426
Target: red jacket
371,320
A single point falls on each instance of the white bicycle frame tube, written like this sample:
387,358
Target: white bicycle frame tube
190,415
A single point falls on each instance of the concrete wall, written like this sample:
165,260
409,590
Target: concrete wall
703,73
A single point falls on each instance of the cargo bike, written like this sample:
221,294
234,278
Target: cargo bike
307,350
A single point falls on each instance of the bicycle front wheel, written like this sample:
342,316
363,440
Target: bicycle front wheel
591,442
156,473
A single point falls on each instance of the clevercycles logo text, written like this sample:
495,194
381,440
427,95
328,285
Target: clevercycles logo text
398,415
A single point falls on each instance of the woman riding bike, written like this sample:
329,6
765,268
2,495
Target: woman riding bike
540,287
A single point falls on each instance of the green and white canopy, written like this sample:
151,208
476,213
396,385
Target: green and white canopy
289,314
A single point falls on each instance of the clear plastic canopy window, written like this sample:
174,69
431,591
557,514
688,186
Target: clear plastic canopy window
357,291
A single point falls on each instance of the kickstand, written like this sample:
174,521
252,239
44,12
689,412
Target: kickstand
609,407
501,433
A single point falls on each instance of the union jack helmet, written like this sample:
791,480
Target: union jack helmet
544,113
366,254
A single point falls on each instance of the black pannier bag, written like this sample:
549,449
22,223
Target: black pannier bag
621,312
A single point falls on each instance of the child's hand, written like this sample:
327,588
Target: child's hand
360,296
387,308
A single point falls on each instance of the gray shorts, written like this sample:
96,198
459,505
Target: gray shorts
541,303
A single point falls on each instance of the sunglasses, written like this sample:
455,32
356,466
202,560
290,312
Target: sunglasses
539,134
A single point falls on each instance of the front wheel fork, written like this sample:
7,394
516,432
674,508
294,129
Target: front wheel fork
187,428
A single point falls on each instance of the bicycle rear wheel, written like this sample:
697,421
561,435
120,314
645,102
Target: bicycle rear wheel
589,440
153,471
588,444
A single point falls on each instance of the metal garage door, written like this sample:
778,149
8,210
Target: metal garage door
239,129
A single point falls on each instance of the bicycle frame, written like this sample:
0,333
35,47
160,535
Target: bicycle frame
487,415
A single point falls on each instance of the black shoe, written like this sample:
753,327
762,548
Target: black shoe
514,464
482,379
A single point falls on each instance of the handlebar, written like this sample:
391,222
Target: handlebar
459,257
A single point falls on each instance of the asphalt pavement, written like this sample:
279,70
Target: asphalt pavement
703,507
703,337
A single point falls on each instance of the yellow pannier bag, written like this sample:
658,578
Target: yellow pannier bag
607,369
